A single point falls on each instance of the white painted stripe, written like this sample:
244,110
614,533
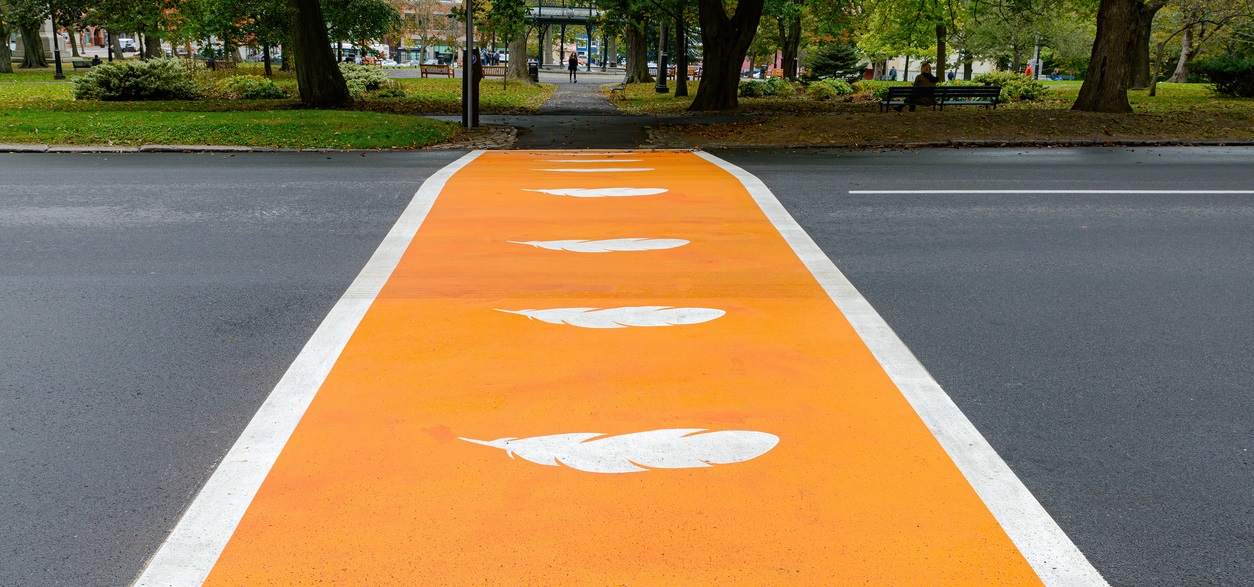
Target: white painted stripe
192,548
593,160
599,170
1045,546
1043,191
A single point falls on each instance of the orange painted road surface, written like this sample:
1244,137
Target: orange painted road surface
376,487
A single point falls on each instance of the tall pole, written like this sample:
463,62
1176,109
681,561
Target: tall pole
56,46
468,70
109,42
661,61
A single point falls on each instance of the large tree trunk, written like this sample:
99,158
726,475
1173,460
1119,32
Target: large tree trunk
32,49
518,58
968,64
6,54
681,57
637,52
265,56
152,46
725,41
1142,27
1105,87
317,75
941,52
117,47
1181,74
790,43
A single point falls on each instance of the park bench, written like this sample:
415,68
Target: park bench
943,96
81,64
775,72
495,70
436,69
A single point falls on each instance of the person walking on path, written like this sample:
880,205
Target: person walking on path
572,65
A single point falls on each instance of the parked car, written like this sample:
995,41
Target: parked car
388,62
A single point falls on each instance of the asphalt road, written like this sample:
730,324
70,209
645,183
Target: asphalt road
1102,343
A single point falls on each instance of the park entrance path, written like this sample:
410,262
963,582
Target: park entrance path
579,116
604,368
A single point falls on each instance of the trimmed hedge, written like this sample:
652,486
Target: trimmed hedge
154,79
1014,86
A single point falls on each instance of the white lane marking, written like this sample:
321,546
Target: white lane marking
598,170
608,245
621,317
601,192
672,448
192,548
1043,191
1046,547
593,160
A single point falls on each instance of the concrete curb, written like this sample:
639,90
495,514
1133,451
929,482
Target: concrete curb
993,143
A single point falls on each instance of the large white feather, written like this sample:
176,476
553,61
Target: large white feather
673,448
599,169
621,317
602,192
608,245
593,160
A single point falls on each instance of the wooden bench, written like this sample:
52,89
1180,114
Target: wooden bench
942,96
436,69
775,72
81,64
495,70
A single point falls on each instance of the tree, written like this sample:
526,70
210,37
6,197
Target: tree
725,41
28,17
267,25
1105,87
787,17
361,20
839,60
317,75
7,25
509,19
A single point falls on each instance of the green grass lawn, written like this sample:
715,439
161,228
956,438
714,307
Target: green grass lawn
35,112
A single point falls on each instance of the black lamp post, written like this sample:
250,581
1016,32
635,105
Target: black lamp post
661,62
56,46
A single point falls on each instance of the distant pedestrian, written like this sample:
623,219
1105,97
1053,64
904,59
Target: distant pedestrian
950,75
1028,71
892,74
572,66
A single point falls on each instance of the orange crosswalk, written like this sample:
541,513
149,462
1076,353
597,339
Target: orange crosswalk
610,369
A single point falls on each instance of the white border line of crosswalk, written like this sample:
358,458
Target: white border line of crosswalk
193,547
1045,191
1042,542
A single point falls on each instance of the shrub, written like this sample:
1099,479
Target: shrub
368,79
827,89
154,79
393,90
873,89
250,87
836,60
1014,86
1227,76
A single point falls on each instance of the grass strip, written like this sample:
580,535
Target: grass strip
296,129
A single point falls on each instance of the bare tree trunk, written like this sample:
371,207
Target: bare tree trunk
941,52
73,42
637,52
33,55
152,46
265,56
1181,74
1105,87
681,56
725,41
790,40
317,75
518,58
117,47
6,54
1142,28
968,63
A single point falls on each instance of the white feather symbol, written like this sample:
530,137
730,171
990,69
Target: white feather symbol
601,192
593,160
598,169
674,448
621,317
608,245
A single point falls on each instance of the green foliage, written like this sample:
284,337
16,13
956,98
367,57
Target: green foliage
367,79
827,89
1014,86
155,79
357,20
835,60
250,87
771,87
874,89
1227,76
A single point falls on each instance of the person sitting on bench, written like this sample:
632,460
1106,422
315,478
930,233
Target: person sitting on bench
924,79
